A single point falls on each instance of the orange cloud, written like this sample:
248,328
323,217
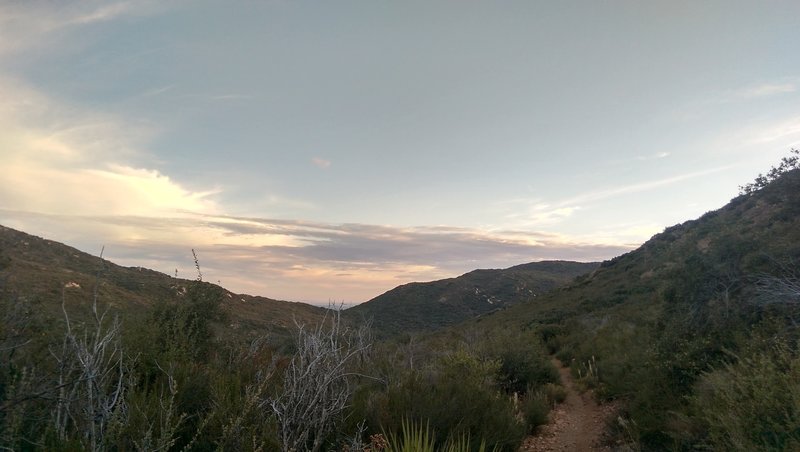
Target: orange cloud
320,162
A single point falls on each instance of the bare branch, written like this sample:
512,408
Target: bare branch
316,382
90,378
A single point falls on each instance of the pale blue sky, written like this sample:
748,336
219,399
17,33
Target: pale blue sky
332,150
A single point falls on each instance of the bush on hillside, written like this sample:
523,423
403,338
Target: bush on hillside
754,403
762,180
535,408
456,395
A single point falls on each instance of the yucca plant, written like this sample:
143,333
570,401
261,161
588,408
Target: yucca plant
414,438
418,438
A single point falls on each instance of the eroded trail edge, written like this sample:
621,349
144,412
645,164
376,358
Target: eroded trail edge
577,424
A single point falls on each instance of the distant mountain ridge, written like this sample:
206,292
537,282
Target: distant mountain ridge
427,306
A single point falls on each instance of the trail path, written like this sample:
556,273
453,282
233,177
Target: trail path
575,425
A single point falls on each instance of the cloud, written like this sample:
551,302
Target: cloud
765,90
102,13
320,162
35,127
302,260
539,214
635,188
777,131
32,23
656,156
157,91
116,190
83,178
218,97
60,159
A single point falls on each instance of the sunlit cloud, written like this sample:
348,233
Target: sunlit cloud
116,190
320,162
541,214
631,234
59,159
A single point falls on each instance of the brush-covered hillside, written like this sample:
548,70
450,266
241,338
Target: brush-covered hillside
696,332
176,364
44,272
428,306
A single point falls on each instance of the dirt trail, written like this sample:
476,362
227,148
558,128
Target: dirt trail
575,425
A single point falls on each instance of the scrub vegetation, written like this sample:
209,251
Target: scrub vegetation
165,379
694,336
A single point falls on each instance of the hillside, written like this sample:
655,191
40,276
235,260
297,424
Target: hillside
717,255
433,305
41,270
667,326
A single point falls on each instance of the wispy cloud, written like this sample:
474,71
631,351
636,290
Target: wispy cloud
781,130
636,188
102,13
157,91
656,156
30,23
61,159
538,214
321,162
765,90
703,107
217,97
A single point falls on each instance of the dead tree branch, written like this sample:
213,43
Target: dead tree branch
316,383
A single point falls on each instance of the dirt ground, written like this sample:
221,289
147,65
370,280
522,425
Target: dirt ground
578,424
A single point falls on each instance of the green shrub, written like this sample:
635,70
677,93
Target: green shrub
535,408
523,360
753,404
523,366
456,395
183,330
555,393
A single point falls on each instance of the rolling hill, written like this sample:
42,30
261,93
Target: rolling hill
41,271
428,306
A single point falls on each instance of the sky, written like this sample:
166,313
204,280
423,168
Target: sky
330,151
